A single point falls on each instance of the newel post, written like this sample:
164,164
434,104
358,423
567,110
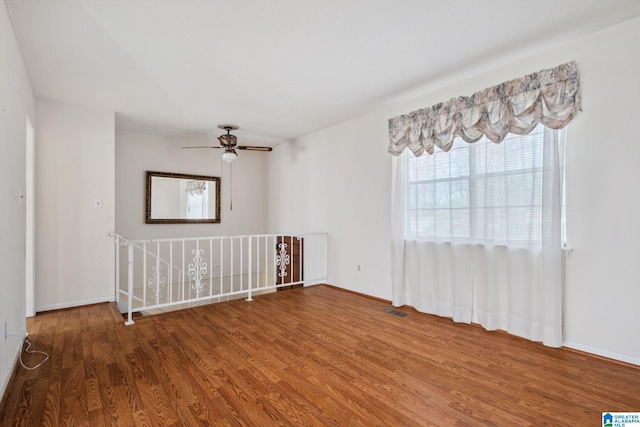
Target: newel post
130,285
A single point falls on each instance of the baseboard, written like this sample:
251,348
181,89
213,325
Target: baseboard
603,353
359,293
78,303
12,373
570,345
316,282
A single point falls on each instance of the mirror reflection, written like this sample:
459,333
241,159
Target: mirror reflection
181,198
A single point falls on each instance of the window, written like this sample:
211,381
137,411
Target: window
481,192
197,203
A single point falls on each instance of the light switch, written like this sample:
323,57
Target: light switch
97,203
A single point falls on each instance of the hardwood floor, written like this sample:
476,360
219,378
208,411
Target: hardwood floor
311,356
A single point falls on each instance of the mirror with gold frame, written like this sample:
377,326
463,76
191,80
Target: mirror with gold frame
175,198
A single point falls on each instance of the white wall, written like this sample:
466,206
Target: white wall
16,105
341,180
137,153
75,164
338,181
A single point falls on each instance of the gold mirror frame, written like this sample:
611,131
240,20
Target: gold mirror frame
155,217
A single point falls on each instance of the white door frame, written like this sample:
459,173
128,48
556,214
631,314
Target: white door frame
30,220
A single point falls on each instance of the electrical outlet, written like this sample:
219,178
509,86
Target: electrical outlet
215,268
358,267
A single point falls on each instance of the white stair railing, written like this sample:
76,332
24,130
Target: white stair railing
167,274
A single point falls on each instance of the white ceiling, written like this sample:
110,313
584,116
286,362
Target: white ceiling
278,68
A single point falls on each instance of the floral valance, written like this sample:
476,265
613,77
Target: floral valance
196,187
550,97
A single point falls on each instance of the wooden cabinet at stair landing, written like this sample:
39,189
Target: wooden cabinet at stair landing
289,255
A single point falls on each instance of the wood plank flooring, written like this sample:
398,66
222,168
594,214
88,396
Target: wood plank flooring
312,356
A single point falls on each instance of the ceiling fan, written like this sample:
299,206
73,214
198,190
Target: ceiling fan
230,143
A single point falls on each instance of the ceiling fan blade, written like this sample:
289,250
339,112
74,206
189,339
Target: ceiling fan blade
253,148
201,146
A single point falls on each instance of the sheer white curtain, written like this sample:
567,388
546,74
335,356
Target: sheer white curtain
441,286
479,228
197,196
477,225
520,287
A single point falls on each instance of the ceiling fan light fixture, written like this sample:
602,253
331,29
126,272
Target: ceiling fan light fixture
229,155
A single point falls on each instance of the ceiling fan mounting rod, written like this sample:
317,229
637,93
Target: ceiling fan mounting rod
228,127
